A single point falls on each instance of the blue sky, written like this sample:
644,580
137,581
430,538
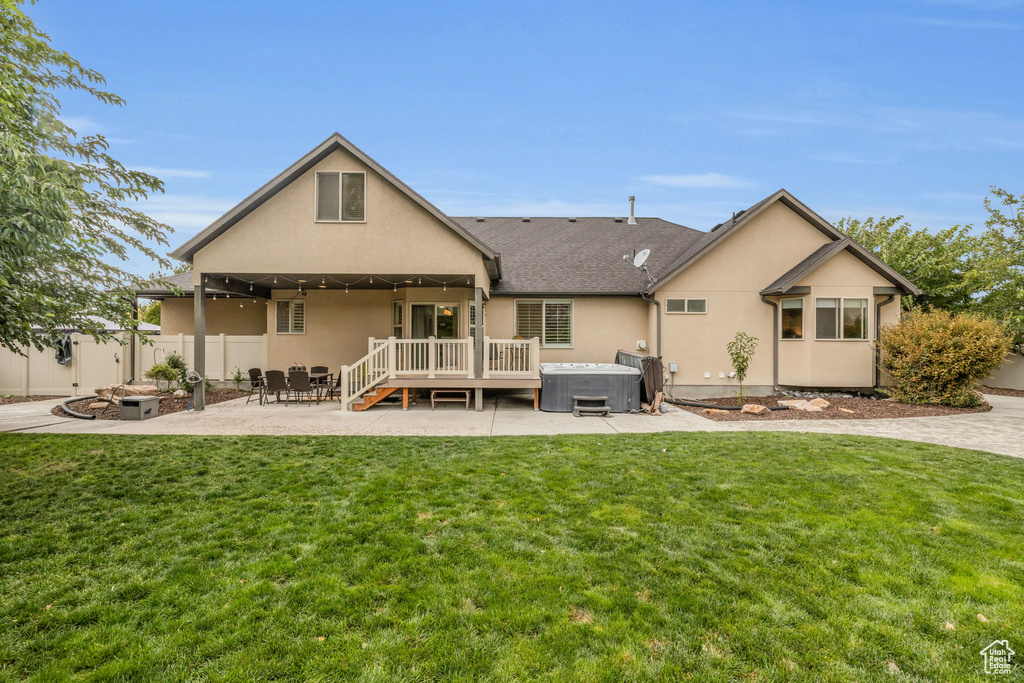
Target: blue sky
549,108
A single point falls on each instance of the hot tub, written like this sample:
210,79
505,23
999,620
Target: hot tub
561,381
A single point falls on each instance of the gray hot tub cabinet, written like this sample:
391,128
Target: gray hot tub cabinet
559,382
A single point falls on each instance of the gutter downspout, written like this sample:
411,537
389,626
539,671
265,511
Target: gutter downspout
878,337
775,341
657,305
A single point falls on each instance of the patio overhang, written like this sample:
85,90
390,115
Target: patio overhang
249,284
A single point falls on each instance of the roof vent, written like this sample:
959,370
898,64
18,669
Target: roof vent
572,220
479,219
617,220
526,220
632,218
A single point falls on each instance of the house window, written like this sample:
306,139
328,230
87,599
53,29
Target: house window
340,197
686,305
291,317
550,320
841,318
397,316
792,318
472,321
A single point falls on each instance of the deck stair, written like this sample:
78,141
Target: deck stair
373,397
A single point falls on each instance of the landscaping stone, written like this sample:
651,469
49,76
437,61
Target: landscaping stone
129,390
801,404
714,411
98,405
820,402
847,410
180,393
754,409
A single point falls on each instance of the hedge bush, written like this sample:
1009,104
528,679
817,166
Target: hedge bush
938,357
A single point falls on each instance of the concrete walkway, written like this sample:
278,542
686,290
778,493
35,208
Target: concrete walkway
998,431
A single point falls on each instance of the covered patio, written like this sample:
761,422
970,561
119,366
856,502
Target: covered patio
378,333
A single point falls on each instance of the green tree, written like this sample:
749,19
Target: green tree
1003,240
741,351
150,313
944,264
66,225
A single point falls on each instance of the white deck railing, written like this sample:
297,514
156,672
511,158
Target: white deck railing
437,358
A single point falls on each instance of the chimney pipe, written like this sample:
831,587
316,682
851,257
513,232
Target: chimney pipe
632,218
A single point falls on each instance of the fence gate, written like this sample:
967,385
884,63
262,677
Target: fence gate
38,373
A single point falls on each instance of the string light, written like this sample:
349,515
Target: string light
371,279
250,286
275,279
446,286
420,281
396,286
346,289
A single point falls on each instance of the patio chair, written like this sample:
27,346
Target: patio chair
275,383
333,389
255,384
299,384
324,376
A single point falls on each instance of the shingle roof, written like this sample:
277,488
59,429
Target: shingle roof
181,280
560,256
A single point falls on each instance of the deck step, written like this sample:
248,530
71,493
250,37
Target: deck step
372,398
590,405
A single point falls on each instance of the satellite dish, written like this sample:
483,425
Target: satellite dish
641,257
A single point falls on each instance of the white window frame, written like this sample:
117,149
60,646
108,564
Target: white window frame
686,306
544,304
840,335
341,195
292,303
803,318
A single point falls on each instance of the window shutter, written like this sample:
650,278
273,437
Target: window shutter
353,206
530,319
298,316
558,323
327,196
283,317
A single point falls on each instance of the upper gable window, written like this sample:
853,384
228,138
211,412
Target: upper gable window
340,197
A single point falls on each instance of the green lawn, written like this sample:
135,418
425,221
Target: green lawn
634,557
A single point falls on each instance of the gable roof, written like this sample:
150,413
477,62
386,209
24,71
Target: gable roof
824,253
741,218
187,250
565,256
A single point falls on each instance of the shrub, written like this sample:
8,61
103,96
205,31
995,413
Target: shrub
938,357
175,361
162,372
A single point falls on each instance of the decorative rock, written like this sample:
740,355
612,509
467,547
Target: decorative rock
820,402
801,404
714,411
129,390
180,393
97,405
847,410
754,409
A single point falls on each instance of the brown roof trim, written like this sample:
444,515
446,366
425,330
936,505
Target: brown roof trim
563,295
723,230
336,141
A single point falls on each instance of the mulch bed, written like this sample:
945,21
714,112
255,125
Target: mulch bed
863,409
168,404
1003,392
9,400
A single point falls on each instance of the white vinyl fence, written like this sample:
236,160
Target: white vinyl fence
1009,376
38,373
223,353
98,365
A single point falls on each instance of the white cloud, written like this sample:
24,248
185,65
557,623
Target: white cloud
980,24
173,172
846,158
82,125
185,213
699,181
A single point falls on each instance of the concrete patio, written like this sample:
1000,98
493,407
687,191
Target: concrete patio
999,431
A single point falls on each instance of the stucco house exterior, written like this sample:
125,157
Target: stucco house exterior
341,264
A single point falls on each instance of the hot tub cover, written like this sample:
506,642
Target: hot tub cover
587,368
